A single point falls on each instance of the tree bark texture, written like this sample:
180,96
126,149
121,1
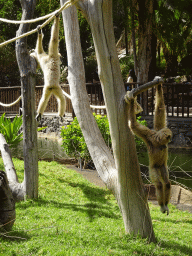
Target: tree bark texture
16,188
27,67
144,57
121,171
7,204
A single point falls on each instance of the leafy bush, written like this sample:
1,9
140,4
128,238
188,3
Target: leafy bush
10,129
74,143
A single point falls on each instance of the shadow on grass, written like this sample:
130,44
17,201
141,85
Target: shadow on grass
14,235
183,249
97,206
174,221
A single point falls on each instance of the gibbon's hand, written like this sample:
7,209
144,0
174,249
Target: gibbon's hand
39,29
129,97
61,118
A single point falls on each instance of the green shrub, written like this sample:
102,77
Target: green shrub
10,130
74,143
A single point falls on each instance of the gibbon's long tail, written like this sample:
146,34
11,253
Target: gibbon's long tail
11,104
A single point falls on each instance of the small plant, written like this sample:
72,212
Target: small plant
10,130
74,143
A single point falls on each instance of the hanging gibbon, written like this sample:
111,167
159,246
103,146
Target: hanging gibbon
156,141
50,65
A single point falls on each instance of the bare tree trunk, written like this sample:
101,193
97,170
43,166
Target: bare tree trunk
27,67
145,15
121,174
7,204
16,188
133,10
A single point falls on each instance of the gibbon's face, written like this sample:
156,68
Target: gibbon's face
163,136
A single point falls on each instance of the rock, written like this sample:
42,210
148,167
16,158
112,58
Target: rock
175,192
185,197
179,140
180,197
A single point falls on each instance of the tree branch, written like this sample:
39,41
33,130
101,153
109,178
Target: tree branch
146,86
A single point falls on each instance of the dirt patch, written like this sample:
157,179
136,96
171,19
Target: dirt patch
90,175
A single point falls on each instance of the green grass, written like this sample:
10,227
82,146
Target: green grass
74,217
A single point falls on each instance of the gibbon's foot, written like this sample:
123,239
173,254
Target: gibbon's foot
39,29
164,209
38,117
61,118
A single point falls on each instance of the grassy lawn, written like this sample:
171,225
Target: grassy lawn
74,217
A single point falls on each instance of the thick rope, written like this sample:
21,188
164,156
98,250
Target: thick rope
66,94
50,18
65,6
10,104
28,21
91,106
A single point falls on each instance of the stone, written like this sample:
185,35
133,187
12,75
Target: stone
185,197
175,192
179,140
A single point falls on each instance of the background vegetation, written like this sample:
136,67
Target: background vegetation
74,142
172,30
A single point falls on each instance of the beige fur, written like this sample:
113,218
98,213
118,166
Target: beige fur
50,65
156,141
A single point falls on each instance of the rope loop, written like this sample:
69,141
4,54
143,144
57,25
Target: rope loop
49,16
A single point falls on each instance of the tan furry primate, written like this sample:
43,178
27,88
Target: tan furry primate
156,141
50,65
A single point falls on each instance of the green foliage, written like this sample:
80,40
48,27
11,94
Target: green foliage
140,145
10,130
173,25
126,63
73,217
74,142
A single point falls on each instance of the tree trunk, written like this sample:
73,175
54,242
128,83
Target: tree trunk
27,67
171,62
145,15
133,10
16,188
121,173
7,204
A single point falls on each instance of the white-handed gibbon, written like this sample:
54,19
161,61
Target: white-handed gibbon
156,141
50,65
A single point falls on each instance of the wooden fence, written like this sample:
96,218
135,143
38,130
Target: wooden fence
178,99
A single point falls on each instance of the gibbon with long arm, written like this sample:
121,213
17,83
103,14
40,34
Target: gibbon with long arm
50,65
156,141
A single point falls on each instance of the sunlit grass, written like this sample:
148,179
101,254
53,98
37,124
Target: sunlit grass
74,217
